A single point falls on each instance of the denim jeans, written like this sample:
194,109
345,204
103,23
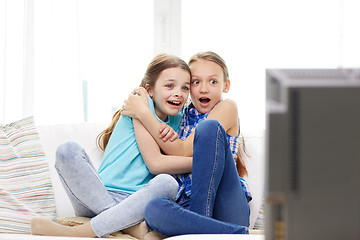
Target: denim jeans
217,203
110,211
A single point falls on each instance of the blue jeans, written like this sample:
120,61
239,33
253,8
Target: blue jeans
217,203
110,211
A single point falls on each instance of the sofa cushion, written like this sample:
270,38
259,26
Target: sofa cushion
25,185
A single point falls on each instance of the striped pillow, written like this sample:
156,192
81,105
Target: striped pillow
25,185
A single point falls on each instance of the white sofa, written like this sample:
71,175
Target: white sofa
52,136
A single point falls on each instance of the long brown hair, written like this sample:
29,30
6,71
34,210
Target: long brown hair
158,64
240,164
213,57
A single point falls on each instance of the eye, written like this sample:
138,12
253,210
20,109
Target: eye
213,81
169,85
186,88
195,82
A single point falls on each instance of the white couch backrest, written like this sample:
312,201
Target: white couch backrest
51,137
255,164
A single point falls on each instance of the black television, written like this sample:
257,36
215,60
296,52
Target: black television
312,154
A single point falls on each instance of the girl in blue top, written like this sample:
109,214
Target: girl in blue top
214,198
115,196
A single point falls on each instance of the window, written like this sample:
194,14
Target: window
73,61
90,60
254,35
116,45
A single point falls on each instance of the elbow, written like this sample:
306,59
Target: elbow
154,171
155,168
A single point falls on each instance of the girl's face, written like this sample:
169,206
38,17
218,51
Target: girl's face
207,84
170,92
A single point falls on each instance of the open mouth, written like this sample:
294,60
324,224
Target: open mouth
174,103
204,100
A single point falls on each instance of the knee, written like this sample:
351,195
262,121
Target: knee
154,212
207,128
65,152
208,124
167,185
153,208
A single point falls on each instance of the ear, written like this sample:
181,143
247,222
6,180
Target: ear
227,86
148,89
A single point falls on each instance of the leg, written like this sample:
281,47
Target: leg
139,230
84,188
87,193
131,211
44,226
216,188
167,217
127,213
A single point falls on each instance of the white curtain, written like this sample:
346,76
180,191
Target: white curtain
11,58
71,60
74,60
58,86
40,64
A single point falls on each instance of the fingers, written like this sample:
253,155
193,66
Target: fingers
126,101
135,91
164,130
167,136
167,133
174,137
139,90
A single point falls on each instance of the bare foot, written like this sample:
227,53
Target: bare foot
44,226
139,230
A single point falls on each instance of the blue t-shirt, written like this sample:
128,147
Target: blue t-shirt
123,168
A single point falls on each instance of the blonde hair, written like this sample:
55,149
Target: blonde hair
213,57
158,64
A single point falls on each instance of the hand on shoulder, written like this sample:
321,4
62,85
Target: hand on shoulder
135,105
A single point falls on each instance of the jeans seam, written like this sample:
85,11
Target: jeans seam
208,201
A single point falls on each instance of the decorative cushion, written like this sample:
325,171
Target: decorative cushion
25,185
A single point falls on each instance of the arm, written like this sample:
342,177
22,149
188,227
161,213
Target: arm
154,159
225,112
167,133
137,107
